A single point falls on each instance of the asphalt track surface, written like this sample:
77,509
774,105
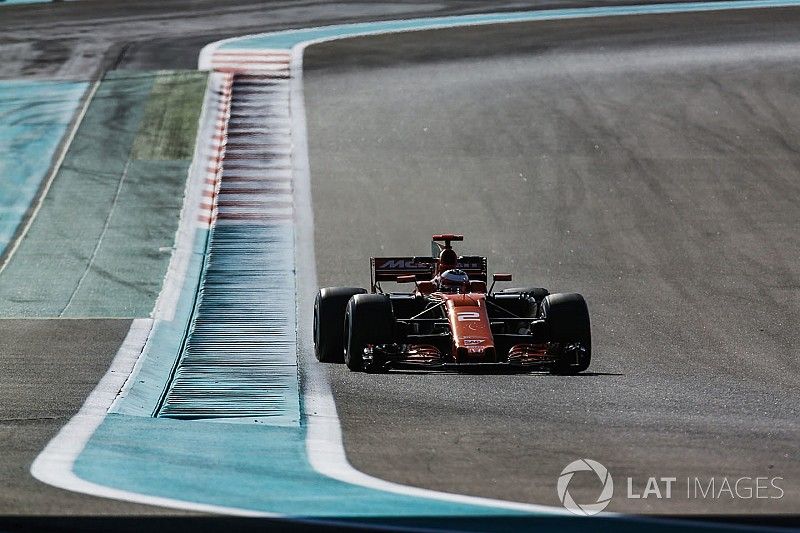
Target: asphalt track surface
50,366
650,163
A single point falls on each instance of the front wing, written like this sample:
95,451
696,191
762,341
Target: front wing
532,357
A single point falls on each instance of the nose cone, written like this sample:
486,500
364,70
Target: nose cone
472,334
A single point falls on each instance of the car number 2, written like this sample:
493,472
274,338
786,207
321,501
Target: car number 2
468,316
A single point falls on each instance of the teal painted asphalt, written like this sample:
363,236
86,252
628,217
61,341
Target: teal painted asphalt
246,466
34,117
265,468
108,257
258,468
289,38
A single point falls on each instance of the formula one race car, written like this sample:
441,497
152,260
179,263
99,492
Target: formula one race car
450,320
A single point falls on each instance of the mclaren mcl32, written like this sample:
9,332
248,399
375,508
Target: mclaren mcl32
450,320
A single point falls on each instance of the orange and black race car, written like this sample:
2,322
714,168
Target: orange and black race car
450,320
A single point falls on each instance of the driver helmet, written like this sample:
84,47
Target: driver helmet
453,281
447,259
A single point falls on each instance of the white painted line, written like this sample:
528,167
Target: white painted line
99,242
52,176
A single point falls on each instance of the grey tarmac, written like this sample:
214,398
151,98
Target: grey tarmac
650,163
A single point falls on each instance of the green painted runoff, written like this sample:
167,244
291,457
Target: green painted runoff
101,243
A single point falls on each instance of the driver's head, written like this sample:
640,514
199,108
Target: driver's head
453,281
447,259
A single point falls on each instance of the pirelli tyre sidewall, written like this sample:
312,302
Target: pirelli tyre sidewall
368,320
567,320
329,308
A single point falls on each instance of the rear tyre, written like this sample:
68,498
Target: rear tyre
329,308
567,322
368,320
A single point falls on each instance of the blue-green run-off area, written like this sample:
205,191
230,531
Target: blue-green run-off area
9,2
102,240
34,116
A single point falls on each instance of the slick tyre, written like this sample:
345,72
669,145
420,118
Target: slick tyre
329,308
567,322
368,320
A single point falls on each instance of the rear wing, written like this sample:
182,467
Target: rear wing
474,266
388,268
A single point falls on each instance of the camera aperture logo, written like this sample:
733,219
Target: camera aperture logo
606,492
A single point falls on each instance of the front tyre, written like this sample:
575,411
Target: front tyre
368,319
567,322
329,308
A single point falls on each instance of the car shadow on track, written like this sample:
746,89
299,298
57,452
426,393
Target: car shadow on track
497,373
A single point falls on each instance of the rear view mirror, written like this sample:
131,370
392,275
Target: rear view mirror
499,277
408,278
